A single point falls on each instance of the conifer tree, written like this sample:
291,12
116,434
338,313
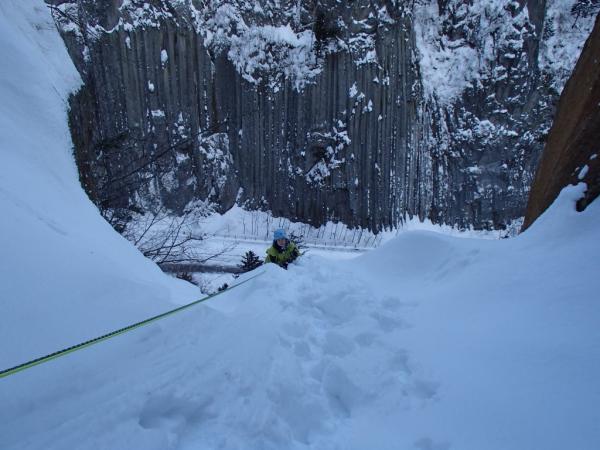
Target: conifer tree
298,239
250,261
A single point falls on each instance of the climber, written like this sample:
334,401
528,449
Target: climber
283,251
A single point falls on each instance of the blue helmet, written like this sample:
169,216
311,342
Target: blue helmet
279,234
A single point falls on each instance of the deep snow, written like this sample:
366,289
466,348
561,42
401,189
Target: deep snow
430,342
65,275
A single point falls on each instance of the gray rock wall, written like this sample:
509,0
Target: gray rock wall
314,155
165,119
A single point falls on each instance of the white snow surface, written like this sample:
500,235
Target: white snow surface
429,342
65,275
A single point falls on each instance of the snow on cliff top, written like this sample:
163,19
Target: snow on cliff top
450,64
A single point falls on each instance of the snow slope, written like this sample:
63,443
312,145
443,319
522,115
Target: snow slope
430,342
509,330
65,275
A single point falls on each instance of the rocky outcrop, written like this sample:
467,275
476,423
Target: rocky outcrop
316,110
334,139
491,106
572,153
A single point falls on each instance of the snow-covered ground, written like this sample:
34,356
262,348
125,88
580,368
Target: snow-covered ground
430,342
229,236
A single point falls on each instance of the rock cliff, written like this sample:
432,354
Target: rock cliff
364,112
572,154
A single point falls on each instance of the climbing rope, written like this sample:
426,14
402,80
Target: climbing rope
82,345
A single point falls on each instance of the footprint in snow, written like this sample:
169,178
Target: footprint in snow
365,339
343,395
172,413
394,303
337,310
399,362
422,390
337,344
388,323
428,444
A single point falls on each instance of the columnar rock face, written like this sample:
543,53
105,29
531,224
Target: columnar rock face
572,154
364,112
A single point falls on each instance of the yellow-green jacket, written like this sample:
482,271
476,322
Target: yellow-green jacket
282,256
